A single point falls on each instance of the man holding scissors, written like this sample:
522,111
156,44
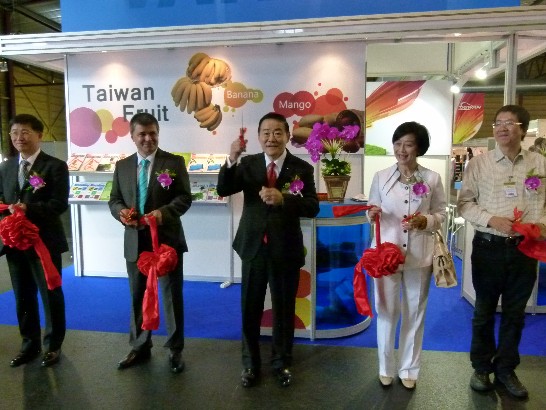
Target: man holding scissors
138,190
269,239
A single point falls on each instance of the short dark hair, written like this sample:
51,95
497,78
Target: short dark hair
523,115
420,132
274,116
28,119
143,118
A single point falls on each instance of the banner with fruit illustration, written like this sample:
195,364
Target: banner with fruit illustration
202,97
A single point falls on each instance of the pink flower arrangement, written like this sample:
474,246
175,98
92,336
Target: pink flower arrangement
325,139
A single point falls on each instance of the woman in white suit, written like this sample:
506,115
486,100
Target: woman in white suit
410,201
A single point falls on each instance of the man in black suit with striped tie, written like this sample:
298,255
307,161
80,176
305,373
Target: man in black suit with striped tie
42,200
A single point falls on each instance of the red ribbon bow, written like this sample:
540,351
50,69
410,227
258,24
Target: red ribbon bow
18,232
529,245
383,260
161,261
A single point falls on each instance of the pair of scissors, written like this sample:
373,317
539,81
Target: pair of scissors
242,132
409,218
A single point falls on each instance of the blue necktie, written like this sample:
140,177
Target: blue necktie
142,185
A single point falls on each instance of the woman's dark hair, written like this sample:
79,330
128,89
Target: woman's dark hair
422,138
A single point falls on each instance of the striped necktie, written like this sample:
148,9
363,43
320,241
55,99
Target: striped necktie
23,173
142,185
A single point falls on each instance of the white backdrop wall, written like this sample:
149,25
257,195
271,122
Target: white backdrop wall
104,91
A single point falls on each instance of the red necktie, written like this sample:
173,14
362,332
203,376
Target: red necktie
271,180
271,175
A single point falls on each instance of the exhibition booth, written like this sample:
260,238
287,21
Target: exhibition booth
330,66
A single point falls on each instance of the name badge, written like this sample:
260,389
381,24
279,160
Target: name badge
510,190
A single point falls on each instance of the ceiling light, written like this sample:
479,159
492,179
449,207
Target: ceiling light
481,73
455,88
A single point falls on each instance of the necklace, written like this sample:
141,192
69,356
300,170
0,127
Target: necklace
408,179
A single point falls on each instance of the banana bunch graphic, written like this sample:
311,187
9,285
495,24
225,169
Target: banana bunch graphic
193,92
211,71
209,117
191,96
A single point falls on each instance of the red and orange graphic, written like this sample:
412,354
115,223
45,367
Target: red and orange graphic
468,117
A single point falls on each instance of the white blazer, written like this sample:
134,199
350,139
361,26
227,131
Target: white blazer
399,201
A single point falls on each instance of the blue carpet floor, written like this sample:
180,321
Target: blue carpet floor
102,304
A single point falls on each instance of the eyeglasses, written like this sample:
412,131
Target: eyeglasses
507,124
23,133
277,135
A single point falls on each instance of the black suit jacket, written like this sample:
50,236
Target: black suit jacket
281,223
172,202
45,205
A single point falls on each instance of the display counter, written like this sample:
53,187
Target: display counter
325,306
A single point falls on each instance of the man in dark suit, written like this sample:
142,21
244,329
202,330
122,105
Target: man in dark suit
269,239
167,202
42,204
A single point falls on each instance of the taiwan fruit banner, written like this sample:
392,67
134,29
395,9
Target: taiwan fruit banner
202,97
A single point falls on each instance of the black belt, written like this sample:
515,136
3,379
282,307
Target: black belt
503,240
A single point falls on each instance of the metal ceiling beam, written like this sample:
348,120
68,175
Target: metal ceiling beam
414,27
38,18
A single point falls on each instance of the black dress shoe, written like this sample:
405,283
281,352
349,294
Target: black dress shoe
249,377
176,362
480,381
284,376
513,385
134,357
24,357
51,357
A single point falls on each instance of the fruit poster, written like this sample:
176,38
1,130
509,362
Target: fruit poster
203,96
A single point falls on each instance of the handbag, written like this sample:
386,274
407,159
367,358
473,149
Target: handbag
443,267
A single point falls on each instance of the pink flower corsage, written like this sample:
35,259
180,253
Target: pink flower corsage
420,189
36,182
532,183
295,186
165,178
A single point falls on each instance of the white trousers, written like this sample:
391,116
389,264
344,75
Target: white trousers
403,294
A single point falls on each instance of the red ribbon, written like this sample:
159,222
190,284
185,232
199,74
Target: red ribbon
383,260
18,232
161,261
529,245
360,290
